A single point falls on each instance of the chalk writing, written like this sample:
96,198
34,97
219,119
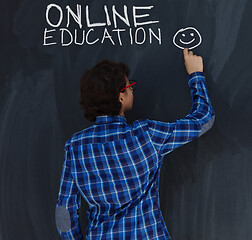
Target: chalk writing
133,32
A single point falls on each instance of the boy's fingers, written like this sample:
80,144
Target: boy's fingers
185,51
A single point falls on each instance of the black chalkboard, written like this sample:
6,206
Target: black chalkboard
205,186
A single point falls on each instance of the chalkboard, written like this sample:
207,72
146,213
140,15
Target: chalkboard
205,185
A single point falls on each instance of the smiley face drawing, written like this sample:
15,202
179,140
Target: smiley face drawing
187,38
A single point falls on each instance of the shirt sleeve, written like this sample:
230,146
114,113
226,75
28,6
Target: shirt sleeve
68,202
168,136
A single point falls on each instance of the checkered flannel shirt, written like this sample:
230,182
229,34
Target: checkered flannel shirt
115,167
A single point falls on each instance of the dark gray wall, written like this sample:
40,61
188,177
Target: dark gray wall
205,186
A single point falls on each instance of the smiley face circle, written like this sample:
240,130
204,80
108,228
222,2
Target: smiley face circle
187,38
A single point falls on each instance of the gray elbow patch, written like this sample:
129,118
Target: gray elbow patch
62,218
207,126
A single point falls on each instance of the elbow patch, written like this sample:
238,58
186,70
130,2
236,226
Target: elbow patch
62,217
207,126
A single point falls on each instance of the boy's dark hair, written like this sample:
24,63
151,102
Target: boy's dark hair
100,88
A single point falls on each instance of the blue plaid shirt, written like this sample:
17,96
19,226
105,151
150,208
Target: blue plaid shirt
115,167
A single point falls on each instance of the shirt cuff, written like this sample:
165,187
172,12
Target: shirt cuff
196,77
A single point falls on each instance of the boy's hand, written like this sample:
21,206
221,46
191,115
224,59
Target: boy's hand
193,63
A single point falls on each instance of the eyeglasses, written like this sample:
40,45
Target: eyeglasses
132,85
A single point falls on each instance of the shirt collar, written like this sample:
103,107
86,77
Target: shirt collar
109,119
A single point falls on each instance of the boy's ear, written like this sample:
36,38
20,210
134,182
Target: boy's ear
120,97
